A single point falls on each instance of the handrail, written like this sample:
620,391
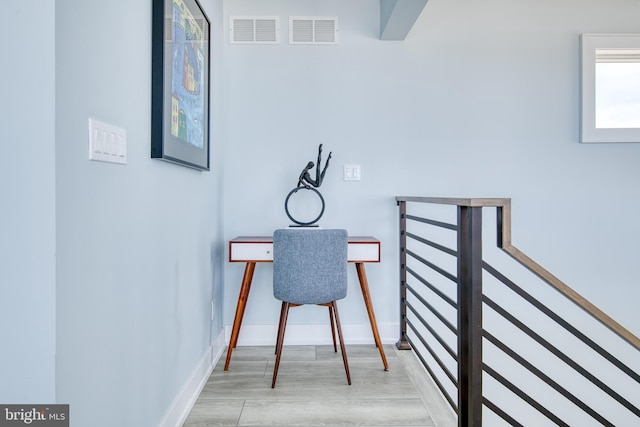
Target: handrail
504,242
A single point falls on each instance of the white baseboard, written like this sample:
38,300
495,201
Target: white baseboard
260,335
218,347
187,397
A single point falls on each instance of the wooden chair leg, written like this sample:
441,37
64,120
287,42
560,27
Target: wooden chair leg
279,326
333,328
344,350
284,313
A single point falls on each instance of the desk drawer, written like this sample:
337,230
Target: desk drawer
260,249
251,252
363,252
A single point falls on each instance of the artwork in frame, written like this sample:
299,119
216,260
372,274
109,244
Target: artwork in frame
180,83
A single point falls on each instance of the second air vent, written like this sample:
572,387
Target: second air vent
313,30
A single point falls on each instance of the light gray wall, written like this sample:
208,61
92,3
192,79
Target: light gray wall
27,216
139,247
481,99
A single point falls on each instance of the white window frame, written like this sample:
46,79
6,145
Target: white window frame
589,133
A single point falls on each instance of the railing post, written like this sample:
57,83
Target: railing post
469,316
403,344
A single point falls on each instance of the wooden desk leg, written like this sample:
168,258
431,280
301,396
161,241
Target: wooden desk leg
242,304
362,277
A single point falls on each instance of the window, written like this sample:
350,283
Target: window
610,88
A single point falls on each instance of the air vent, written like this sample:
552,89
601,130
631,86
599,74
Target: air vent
313,30
254,29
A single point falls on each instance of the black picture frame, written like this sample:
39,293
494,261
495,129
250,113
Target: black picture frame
180,68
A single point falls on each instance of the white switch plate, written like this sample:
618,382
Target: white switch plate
352,173
107,143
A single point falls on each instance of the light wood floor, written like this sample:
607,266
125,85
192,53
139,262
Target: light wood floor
312,390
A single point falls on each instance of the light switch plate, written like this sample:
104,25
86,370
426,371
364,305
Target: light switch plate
107,143
352,173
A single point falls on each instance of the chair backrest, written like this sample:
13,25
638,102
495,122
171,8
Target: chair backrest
309,266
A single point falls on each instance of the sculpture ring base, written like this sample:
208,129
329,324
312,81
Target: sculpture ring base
301,223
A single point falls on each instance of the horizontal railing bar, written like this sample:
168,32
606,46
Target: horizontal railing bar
560,355
439,361
432,266
489,404
435,245
444,392
440,224
524,396
432,309
544,377
437,336
560,321
433,289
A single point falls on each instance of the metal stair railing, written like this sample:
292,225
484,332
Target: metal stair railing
454,347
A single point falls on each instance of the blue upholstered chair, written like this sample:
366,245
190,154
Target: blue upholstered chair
309,267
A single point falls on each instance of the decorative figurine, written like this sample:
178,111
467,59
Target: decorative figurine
305,182
305,177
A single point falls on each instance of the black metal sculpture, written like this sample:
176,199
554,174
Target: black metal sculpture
307,183
305,177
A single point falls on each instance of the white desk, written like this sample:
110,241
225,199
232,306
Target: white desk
252,250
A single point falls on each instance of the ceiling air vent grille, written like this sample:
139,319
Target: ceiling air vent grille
313,30
254,29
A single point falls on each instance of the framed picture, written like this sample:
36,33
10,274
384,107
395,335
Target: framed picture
180,83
